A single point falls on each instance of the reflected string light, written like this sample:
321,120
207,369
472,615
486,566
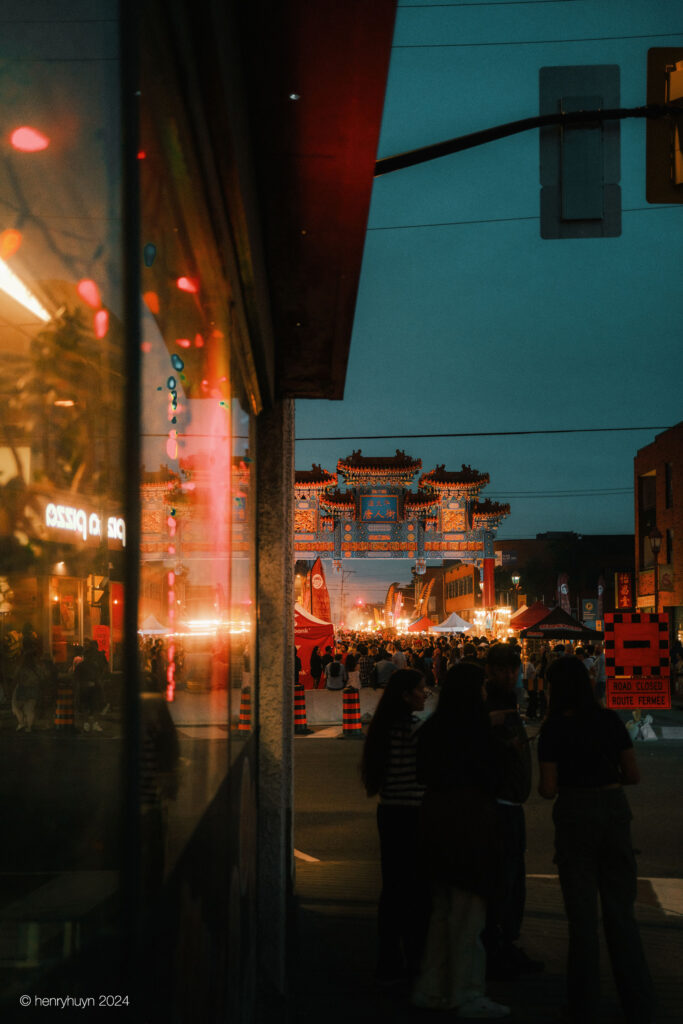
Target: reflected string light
101,323
10,240
89,292
13,286
151,300
198,341
29,140
188,284
183,342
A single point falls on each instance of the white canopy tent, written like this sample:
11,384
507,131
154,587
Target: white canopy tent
453,624
152,627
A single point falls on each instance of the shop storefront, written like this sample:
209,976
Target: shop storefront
147,380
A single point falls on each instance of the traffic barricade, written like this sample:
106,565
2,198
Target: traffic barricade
300,720
245,710
352,728
65,705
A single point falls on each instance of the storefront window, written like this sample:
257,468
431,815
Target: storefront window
196,613
62,526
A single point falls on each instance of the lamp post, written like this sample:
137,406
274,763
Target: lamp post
655,538
515,582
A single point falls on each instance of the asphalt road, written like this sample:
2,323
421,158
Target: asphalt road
334,820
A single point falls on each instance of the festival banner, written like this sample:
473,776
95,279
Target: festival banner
563,592
320,598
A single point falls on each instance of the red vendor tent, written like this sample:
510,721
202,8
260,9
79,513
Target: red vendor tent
309,631
529,616
422,625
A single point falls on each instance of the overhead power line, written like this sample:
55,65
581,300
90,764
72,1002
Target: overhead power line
533,42
503,220
479,433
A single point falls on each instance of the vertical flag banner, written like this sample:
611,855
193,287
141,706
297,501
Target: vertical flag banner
320,598
601,599
563,592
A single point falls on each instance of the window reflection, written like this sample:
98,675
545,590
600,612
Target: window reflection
62,526
196,614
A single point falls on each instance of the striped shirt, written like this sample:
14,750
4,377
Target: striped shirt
400,786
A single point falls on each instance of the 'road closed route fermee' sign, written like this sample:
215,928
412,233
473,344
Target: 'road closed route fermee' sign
637,661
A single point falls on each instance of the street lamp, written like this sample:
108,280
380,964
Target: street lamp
655,538
515,582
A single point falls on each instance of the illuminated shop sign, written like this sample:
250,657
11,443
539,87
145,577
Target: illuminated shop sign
86,524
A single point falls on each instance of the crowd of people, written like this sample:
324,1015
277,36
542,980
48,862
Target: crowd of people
368,660
451,791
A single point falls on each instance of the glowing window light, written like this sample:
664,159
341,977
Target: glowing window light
101,323
89,292
187,284
11,285
10,240
29,140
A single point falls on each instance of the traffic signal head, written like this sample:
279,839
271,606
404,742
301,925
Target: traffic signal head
664,175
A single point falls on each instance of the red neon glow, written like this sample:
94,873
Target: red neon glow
171,578
172,448
89,292
151,300
171,523
198,341
141,155
171,549
188,284
101,323
29,140
10,241
183,342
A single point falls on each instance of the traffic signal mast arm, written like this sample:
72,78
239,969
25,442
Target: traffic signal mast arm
501,131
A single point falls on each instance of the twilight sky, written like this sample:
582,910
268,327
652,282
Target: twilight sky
467,320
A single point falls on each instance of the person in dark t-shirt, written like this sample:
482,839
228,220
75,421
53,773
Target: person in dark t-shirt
585,758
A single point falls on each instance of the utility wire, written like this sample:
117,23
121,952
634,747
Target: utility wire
533,42
503,220
486,3
481,433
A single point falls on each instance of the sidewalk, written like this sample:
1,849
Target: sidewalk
337,914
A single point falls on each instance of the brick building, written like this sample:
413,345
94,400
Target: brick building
658,485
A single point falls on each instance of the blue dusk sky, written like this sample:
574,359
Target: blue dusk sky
467,320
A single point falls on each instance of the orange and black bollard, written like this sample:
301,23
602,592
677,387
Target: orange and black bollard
300,720
245,710
64,706
351,724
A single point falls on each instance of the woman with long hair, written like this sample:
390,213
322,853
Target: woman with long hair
388,770
586,756
461,764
